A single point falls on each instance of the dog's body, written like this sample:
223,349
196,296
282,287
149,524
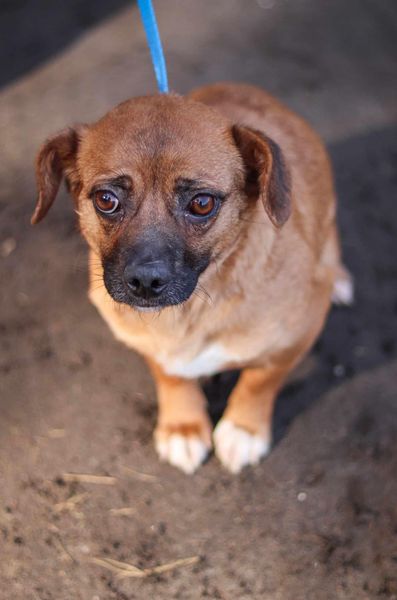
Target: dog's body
262,296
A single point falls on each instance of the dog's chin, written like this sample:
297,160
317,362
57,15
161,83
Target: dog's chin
147,309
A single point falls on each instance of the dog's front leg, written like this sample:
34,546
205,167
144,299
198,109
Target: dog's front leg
183,432
243,435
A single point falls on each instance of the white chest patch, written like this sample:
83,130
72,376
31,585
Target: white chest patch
208,362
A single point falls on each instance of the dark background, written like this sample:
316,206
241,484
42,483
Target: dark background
74,400
32,31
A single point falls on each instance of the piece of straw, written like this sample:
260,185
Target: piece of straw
123,570
88,478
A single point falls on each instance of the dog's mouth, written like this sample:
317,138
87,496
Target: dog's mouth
172,298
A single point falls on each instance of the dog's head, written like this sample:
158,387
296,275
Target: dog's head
161,185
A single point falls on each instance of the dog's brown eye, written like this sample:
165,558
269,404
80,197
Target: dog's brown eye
202,205
106,202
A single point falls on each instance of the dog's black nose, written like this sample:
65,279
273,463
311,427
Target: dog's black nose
147,280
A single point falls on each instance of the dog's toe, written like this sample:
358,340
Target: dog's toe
185,452
236,447
343,292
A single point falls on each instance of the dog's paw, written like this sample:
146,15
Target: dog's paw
343,292
185,447
236,447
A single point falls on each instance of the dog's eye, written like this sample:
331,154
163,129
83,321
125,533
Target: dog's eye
202,205
106,202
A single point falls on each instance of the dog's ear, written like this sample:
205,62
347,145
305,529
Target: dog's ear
56,159
266,175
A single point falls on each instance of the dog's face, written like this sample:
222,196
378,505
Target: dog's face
161,185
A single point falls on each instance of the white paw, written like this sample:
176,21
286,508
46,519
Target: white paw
185,452
235,447
343,292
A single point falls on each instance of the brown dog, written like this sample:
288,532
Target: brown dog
217,211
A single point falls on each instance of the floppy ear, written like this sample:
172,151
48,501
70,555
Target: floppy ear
266,175
56,159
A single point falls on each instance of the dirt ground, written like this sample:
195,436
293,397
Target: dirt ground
318,519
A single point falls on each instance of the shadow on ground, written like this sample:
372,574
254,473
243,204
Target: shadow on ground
32,31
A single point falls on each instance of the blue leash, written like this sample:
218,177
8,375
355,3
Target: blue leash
156,50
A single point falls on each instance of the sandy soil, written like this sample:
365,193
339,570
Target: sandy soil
318,519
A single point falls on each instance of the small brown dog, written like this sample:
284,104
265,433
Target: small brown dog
217,211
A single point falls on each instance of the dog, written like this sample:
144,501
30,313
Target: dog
216,211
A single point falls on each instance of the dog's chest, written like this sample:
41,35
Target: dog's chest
209,360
